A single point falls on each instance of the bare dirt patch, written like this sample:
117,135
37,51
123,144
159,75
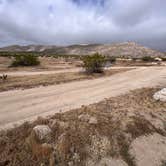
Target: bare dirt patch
77,140
47,63
25,82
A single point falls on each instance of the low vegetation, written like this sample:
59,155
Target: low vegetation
163,163
148,59
163,58
25,60
94,63
111,59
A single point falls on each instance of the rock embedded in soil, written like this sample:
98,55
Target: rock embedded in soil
87,118
42,132
160,95
57,123
38,141
149,150
92,120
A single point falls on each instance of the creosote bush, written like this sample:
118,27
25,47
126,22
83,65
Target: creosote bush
25,60
111,59
147,59
94,63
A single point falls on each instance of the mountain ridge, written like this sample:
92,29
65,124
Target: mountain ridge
126,49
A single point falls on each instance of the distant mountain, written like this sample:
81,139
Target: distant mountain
127,49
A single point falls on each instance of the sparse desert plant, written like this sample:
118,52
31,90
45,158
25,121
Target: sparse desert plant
94,63
25,60
3,77
163,163
111,59
163,58
148,59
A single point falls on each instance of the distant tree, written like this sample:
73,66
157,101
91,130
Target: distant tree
94,63
25,60
147,59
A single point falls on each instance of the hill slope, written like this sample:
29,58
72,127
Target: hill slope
127,49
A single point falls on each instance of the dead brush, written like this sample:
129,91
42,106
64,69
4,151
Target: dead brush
4,77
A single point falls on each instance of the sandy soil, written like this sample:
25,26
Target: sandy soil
45,72
19,105
31,81
28,73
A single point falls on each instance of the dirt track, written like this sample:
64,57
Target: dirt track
20,105
31,73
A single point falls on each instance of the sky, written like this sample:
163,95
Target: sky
66,22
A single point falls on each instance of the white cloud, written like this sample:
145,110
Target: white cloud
66,22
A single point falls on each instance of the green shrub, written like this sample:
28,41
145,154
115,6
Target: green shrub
163,58
25,60
94,63
147,59
111,59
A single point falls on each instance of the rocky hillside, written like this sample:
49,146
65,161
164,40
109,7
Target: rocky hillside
127,49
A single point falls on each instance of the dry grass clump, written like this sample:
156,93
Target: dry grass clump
75,139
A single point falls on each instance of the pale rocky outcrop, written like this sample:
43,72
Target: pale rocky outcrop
149,150
160,95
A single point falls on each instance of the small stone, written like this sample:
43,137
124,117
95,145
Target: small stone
54,123
84,117
93,120
70,163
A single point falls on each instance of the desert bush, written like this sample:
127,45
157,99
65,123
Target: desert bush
147,59
25,60
111,59
163,163
94,63
3,77
163,58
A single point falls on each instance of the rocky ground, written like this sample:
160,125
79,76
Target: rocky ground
128,130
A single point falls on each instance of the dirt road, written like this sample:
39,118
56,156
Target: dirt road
20,105
31,73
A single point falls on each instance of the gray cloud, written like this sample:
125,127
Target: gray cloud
91,21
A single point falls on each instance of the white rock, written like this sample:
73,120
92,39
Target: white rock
160,95
92,120
42,131
84,117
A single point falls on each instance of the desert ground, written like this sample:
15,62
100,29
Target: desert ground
52,99
55,114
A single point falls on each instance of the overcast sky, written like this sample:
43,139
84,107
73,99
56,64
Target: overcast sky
64,22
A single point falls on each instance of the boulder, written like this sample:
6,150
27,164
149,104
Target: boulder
160,95
42,132
38,141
